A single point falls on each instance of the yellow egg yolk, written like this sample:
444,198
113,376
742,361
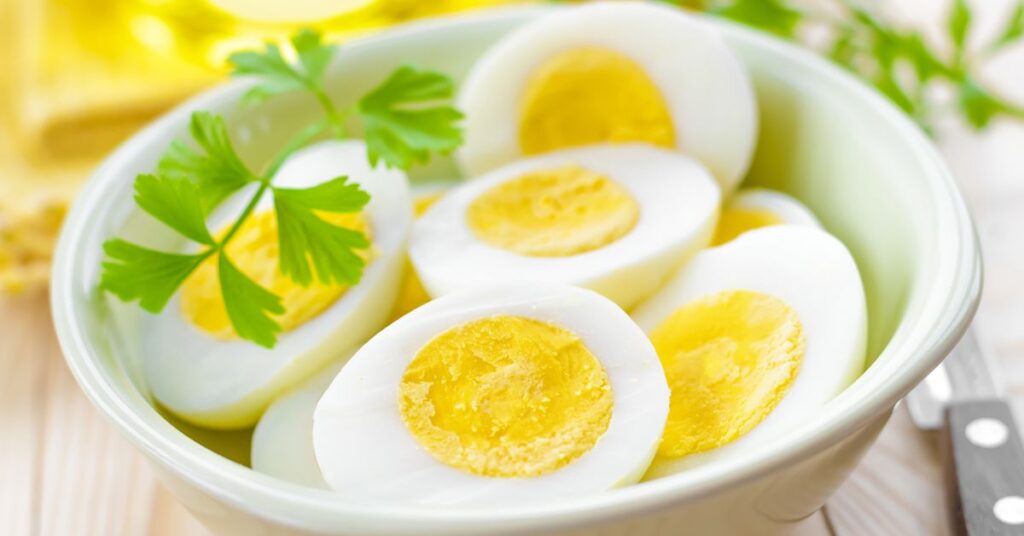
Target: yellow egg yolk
554,213
592,95
254,250
412,294
736,221
729,359
506,396
423,203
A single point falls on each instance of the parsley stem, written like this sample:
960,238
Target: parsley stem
334,118
264,185
299,140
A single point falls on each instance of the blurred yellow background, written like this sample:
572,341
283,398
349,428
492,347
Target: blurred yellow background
84,74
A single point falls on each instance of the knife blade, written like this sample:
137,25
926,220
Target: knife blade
983,447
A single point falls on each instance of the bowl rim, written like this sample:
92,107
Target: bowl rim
267,498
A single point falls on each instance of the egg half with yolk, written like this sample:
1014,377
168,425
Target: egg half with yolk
610,72
412,294
201,371
503,395
617,219
753,208
755,336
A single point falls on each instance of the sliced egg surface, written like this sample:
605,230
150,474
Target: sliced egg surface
282,442
617,219
196,365
513,394
755,336
610,72
753,208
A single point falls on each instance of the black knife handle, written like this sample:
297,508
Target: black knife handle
986,469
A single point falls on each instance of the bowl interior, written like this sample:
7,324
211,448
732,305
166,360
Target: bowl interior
824,139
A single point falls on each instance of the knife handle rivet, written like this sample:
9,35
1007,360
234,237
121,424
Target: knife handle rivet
986,433
1010,510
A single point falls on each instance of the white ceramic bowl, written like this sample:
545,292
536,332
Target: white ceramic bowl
869,174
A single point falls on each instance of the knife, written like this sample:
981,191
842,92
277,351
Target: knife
985,459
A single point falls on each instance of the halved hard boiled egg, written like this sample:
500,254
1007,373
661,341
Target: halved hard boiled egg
610,72
506,395
754,336
617,219
201,371
412,294
282,442
753,208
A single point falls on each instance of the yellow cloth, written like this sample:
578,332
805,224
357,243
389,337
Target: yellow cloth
82,82
71,89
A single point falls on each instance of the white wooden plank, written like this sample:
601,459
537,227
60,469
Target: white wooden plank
23,362
171,519
898,488
91,481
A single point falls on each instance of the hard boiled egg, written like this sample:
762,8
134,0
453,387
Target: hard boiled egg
610,72
511,394
201,371
754,208
754,336
412,294
282,442
617,219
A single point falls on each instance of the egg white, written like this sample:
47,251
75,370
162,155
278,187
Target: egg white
815,275
282,442
227,384
707,91
365,450
783,206
678,203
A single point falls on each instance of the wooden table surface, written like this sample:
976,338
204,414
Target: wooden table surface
63,469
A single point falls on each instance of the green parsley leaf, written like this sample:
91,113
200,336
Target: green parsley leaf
844,48
772,16
249,305
304,238
926,65
313,54
216,168
176,202
889,86
276,74
959,24
886,46
1014,28
405,118
980,107
335,195
976,104
133,272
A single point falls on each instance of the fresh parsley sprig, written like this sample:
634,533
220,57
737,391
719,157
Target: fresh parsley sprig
187,185
277,75
406,119
899,62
